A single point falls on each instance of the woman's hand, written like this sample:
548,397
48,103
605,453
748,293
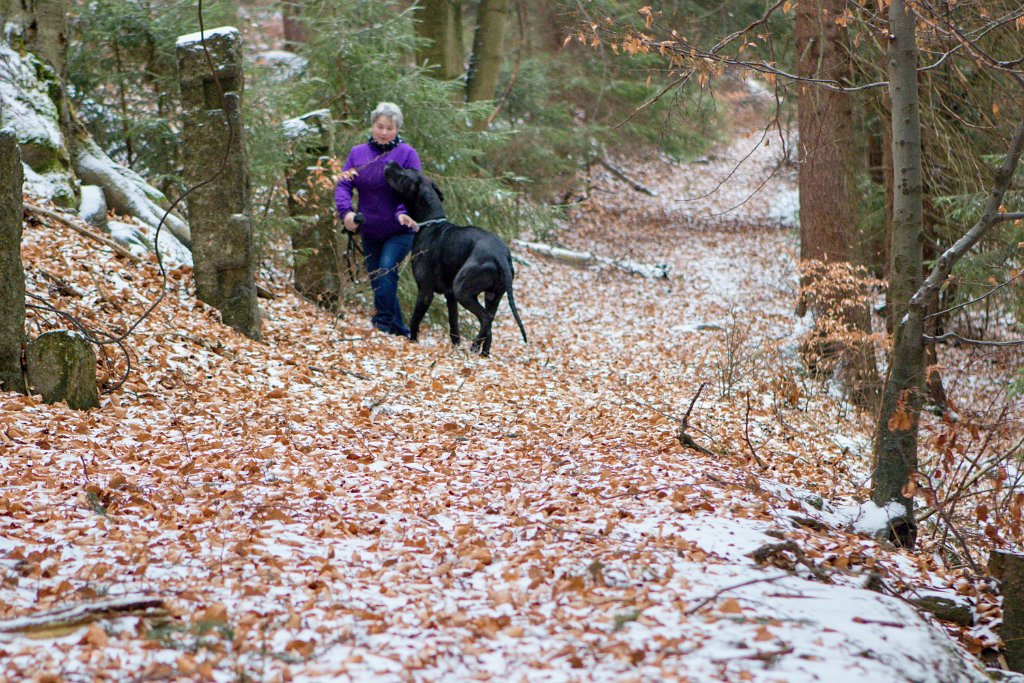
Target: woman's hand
350,221
406,220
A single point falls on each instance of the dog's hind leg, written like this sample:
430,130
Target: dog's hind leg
469,283
453,319
423,299
481,344
491,302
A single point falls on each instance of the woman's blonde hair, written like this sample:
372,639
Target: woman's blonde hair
390,110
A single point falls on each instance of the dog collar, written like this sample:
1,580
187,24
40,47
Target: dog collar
432,220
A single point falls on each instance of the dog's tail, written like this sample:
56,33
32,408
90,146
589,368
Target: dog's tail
507,273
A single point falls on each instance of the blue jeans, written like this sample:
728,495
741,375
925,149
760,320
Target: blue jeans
382,258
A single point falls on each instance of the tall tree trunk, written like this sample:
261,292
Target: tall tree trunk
485,62
895,449
827,200
439,23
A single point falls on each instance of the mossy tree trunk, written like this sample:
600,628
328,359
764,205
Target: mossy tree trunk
12,276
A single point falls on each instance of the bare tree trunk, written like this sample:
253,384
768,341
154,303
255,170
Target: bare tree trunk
826,135
439,22
485,62
895,449
827,200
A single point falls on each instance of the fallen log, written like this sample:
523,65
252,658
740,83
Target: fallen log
585,258
102,239
624,177
84,613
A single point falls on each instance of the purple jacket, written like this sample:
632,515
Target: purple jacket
377,202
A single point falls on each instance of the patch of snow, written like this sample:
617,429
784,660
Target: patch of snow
784,207
284,65
852,445
92,206
52,185
195,40
139,241
868,518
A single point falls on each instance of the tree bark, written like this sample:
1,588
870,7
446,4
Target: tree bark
895,448
828,225
485,62
12,276
826,178
439,24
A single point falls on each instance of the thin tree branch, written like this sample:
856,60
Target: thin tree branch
944,266
974,301
964,340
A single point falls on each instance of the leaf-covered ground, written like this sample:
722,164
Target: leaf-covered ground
335,504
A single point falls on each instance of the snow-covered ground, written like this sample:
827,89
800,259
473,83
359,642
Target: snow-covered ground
334,504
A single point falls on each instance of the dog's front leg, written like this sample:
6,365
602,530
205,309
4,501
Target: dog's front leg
423,299
453,319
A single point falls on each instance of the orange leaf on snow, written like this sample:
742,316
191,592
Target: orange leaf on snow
95,636
186,664
730,606
303,648
215,613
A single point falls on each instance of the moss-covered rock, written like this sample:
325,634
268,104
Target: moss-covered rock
62,367
28,88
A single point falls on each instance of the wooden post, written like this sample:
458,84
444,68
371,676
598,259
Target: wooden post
12,276
1008,568
214,163
316,241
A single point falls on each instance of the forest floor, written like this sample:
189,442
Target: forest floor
336,504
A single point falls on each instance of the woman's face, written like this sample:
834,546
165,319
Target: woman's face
384,130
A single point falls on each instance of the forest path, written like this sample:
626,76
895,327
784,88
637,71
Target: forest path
336,504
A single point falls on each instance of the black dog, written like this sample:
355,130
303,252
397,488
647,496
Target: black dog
459,261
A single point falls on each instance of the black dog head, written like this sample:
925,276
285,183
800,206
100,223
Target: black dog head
419,194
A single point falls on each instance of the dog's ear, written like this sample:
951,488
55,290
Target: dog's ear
440,195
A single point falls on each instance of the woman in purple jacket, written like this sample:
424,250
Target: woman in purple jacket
387,229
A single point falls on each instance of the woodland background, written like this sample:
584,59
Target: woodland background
555,512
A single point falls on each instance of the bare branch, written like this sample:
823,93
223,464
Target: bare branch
980,298
949,258
977,342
